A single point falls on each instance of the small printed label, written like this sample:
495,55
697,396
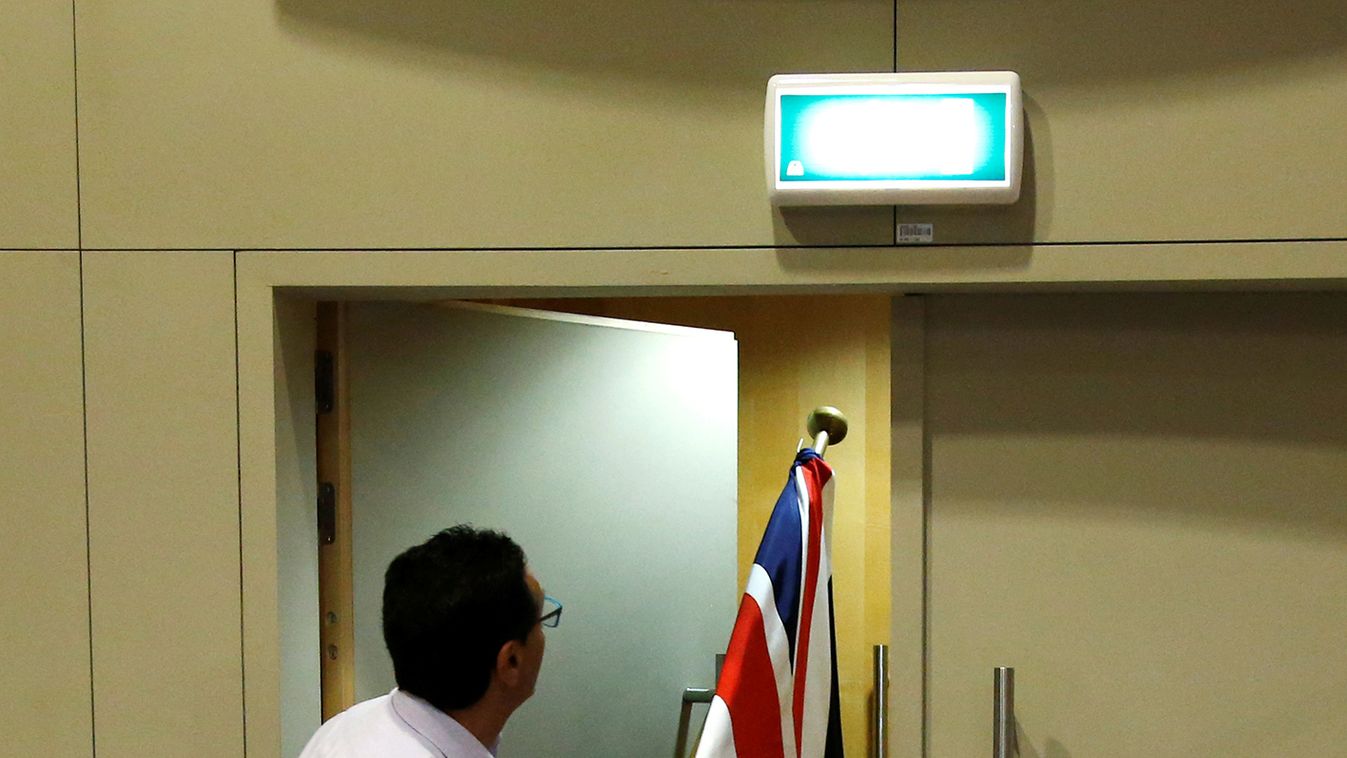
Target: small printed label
909,233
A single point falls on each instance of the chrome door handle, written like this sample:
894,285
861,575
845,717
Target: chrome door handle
881,723
691,697
1003,716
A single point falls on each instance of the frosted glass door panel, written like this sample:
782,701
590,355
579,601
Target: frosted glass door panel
607,449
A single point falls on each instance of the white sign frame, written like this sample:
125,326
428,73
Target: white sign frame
896,191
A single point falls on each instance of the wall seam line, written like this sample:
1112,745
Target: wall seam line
729,248
893,227
88,527
238,451
79,194
926,502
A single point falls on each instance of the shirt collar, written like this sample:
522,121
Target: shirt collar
438,727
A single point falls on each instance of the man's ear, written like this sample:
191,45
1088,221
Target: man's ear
508,663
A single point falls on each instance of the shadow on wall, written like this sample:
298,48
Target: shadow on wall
703,42
1258,365
1256,401
1051,748
1103,40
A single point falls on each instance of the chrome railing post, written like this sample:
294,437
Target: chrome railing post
881,715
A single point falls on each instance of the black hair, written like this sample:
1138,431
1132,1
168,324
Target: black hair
449,605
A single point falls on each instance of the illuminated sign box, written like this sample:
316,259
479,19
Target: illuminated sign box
894,139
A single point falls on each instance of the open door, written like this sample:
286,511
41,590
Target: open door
606,448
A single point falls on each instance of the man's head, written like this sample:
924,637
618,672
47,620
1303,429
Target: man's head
460,614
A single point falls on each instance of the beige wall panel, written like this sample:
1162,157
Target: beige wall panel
44,626
476,273
37,126
163,504
562,273
907,520
358,123
266,465
1154,120
1136,501
298,570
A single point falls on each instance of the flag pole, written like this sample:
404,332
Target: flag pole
778,695
826,426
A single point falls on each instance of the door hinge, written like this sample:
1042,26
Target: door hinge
327,513
324,381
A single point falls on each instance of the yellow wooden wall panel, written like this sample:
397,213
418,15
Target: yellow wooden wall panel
1154,120
44,626
163,504
357,123
37,126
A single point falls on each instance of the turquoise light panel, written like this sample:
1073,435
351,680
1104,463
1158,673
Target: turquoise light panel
893,137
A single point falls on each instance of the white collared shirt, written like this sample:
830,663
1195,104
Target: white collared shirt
396,725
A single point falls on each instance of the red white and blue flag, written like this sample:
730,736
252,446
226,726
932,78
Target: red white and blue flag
777,694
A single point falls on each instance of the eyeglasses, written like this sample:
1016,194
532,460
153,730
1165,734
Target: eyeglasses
551,616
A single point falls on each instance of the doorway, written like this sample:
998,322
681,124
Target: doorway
842,360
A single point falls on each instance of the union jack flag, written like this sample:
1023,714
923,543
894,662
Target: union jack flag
777,694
